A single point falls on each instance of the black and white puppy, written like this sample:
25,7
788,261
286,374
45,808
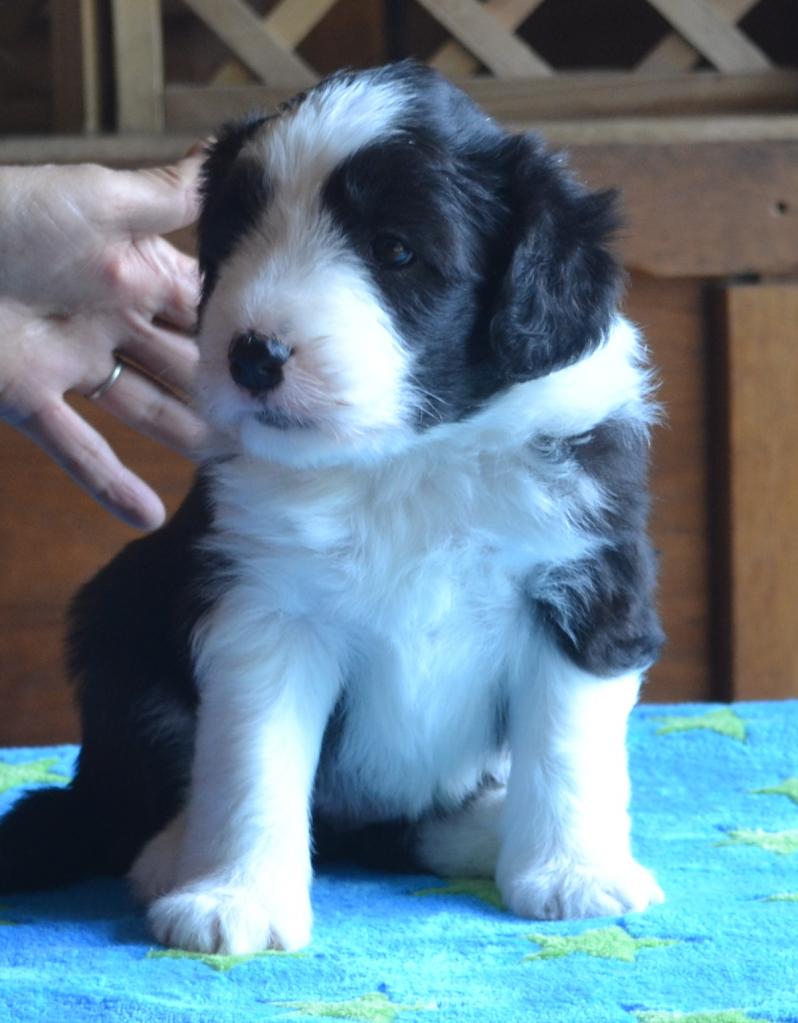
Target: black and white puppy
404,613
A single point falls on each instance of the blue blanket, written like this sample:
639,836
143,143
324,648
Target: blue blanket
716,816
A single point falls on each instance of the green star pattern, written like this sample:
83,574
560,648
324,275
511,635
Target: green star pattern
478,888
220,963
34,772
724,1016
782,842
374,1007
603,943
7,923
723,721
789,788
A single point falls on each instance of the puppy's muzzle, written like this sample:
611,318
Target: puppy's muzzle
256,361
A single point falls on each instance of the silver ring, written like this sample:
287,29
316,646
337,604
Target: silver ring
109,382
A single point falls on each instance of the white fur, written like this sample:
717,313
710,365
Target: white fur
301,149
564,832
242,874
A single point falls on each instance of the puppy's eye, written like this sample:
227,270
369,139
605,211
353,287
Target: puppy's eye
391,252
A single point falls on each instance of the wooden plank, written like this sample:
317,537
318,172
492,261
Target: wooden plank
288,23
43,567
665,131
151,149
702,210
613,94
713,36
673,53
240,29
672,316
529,102
115,150
760,358
74,48
138,62
453,59
499,50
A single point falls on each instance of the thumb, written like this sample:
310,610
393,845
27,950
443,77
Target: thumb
163,199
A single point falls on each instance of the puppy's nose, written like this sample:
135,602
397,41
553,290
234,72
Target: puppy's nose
256,361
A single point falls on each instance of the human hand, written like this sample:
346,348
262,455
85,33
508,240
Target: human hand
85,278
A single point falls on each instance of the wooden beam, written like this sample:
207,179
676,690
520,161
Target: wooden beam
500,51
240,29
529,102
665,130
138,64
712,35
618,94
702,209
758,591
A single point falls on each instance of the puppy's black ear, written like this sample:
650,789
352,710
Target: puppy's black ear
562,284
231,191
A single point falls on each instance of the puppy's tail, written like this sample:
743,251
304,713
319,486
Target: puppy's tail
48,838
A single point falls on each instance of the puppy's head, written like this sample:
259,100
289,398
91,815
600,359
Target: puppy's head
380,257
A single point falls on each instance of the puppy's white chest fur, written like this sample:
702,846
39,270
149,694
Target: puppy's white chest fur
414,572
418,719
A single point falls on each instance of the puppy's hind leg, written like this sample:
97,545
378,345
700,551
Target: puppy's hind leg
464,843
154,872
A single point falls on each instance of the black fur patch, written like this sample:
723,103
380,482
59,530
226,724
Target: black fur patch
444,210
129,657
561,288
601,610
512,275
233,191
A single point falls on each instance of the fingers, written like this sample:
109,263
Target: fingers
91,462
179,304
168,357
172,279
162,199
154,412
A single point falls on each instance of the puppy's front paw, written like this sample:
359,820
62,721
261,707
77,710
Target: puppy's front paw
564,890
229,920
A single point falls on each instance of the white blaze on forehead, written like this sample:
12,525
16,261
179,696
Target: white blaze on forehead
301,148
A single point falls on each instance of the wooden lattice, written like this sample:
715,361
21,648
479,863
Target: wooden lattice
483,40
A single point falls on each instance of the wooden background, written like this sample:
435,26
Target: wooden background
708,164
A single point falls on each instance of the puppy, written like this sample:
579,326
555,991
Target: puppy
403,615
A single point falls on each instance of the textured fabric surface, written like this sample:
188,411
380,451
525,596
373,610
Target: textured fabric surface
716,816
